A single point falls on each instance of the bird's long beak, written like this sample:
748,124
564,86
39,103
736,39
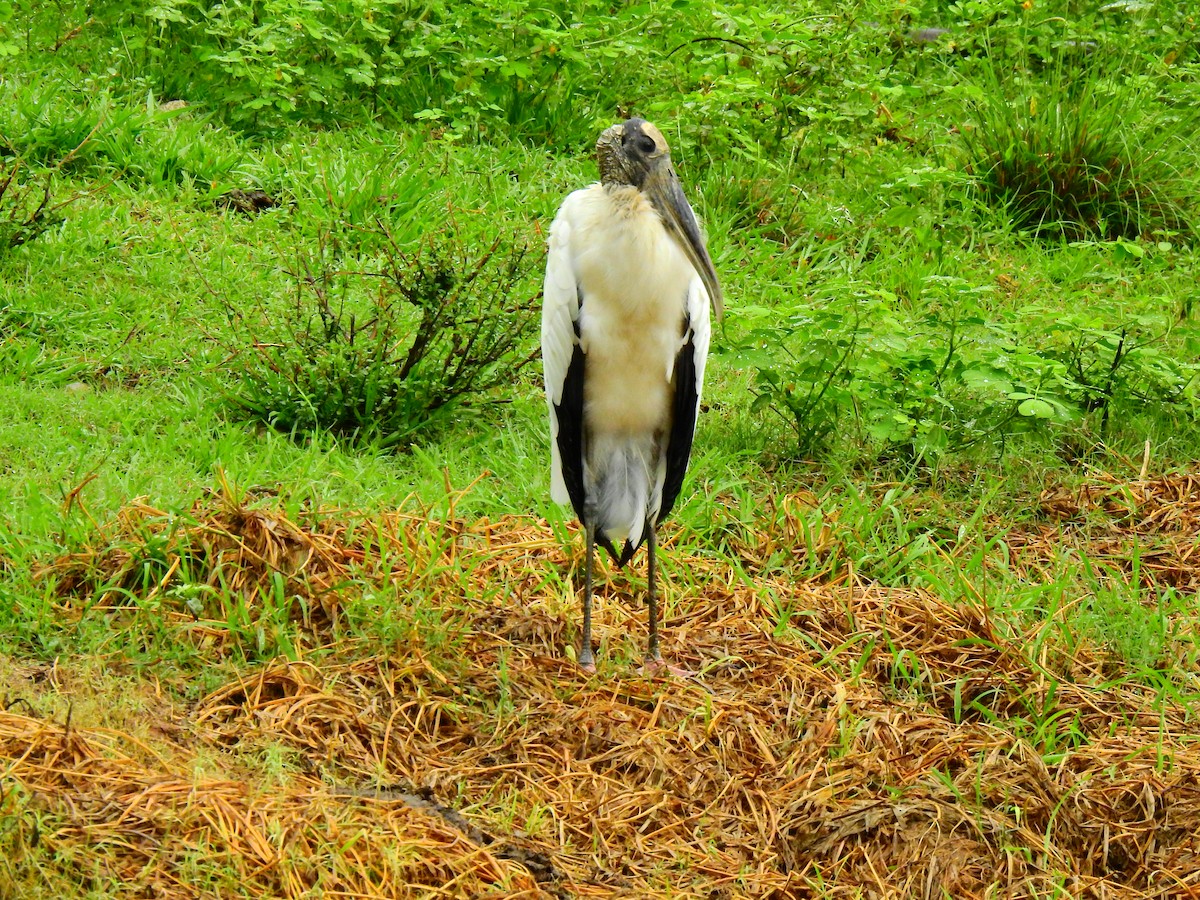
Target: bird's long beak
665,192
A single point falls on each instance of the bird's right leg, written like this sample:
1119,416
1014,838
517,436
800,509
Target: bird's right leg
587,661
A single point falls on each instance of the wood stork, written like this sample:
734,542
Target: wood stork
625,332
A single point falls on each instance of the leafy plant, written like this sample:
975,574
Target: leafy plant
466,69
806,379
1125,364
760,80
747,79
25,210
381,356
941,381
950,377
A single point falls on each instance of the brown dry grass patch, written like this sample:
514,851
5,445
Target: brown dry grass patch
1113,522
888,746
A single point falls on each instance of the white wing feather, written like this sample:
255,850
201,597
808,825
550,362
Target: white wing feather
560,310
698,315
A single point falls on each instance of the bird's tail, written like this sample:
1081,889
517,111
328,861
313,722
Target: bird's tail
626,491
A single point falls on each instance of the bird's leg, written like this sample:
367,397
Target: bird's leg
654,661
653,655
587,661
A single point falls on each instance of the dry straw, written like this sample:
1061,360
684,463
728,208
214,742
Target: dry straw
864,754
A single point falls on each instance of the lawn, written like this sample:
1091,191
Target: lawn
286,610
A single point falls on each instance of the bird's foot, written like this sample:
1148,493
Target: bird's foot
656,665
587,662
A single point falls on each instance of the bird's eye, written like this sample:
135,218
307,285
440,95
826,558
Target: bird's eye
646,143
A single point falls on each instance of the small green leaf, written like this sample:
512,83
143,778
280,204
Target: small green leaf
987,379
1127,249
1036,409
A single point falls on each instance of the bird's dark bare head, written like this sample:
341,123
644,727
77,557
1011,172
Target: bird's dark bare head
630,152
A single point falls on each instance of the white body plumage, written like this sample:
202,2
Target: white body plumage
618,287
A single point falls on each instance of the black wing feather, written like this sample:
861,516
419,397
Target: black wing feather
569,411
683,423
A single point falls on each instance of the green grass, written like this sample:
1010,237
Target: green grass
120,326
130,298
131,295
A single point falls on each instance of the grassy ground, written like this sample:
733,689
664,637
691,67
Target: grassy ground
951,657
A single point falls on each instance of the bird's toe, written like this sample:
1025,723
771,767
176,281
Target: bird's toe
656,665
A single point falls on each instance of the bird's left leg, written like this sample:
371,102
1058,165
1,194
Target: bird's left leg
587,661
654,660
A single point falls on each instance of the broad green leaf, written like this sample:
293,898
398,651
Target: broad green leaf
1036,408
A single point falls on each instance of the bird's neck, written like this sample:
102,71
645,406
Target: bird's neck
626,200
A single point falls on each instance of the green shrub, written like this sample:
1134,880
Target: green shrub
858,369
743,79
382,356
25,208
466,68
852,367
